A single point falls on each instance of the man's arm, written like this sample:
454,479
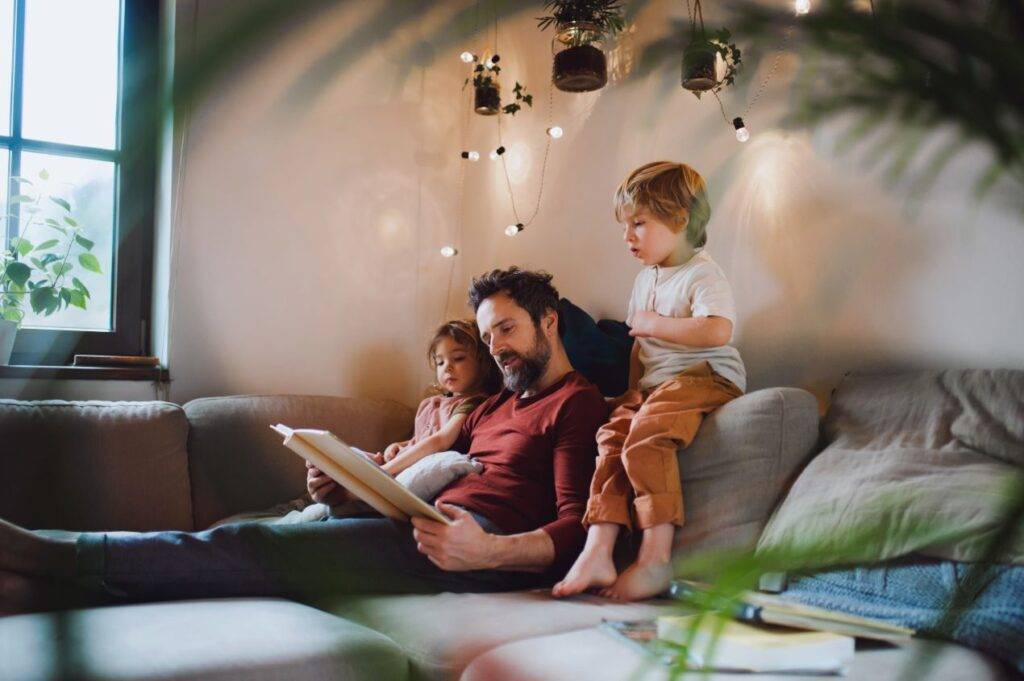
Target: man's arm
464,545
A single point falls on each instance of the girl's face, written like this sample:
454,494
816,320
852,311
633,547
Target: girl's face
653,242
458,370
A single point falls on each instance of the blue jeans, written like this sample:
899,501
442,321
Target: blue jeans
916,594
306,561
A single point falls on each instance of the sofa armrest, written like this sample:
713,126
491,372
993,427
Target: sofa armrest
735,471
238,464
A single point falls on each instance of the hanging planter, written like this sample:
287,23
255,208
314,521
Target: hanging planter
487,99
701,71
580,66
487,90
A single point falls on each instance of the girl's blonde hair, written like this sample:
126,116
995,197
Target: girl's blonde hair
465,333
671,191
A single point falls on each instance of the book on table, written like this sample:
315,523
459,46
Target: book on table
761,608
716,645
360,476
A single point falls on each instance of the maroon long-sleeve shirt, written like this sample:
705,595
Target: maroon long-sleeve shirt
538,455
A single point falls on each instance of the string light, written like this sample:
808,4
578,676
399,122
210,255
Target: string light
497,153
471,155
491,61
512,230
555,132
802,6
467,57
742,134
448,251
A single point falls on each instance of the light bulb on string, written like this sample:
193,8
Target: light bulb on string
512,230
471,155
496,153
448,251
555,132
491,61
802,6
467,57
742,134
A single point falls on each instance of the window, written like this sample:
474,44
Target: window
80,80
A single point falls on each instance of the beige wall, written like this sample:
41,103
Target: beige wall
306,226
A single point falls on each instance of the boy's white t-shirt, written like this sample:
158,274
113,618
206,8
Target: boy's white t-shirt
697,288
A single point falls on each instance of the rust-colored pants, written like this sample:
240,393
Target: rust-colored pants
637,448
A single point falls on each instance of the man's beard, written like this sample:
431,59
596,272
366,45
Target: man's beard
530,368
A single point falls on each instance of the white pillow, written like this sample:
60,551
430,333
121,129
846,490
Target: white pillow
431,474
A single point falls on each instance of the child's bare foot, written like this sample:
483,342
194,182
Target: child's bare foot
640,581
651,574
590,571
594,568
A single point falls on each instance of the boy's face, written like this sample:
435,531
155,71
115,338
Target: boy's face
652,241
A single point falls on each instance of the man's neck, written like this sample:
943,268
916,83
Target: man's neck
558,366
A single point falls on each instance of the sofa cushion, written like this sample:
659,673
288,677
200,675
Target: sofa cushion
894,479
991,417
94,465
442,633
238,464
196,640
735,471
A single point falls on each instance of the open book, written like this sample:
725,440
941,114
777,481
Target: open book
357,474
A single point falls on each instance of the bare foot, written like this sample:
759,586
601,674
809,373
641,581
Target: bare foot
590,571
640,581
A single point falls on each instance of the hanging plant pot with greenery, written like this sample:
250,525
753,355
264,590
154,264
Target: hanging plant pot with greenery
580,66
700,58
487,90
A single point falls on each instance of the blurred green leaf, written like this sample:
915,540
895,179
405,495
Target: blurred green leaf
89,262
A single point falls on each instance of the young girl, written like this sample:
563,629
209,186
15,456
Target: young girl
466,375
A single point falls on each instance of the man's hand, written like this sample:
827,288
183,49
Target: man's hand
463,545
642,324
392,451
322,489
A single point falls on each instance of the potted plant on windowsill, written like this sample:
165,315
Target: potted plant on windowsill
581,24
38,265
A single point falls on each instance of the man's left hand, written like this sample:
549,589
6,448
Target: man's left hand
463,545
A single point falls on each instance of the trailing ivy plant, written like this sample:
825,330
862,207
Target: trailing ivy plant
40,264
484,76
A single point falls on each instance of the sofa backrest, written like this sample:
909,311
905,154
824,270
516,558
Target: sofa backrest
735,472
238,464
94,465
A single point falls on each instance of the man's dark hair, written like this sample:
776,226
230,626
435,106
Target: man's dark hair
531,291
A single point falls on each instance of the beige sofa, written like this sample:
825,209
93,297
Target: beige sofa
156,465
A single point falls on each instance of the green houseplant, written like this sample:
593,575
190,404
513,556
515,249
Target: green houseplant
487,90
39,265
581,66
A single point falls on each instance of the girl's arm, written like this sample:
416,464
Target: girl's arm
696,332
440,441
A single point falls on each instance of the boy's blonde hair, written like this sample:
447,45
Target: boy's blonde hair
670,191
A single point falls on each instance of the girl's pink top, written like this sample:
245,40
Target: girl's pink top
435,411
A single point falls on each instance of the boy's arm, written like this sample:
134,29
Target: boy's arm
440,441
695,332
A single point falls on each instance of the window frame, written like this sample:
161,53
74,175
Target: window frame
135,161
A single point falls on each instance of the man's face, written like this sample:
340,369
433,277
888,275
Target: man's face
521,350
